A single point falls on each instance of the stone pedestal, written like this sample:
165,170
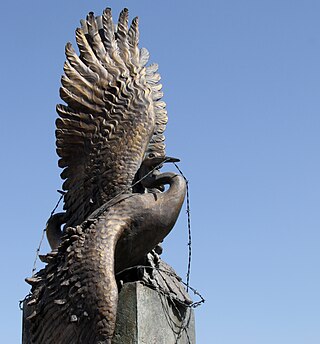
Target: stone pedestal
145,316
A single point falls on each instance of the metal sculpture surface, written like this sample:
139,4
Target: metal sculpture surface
111,145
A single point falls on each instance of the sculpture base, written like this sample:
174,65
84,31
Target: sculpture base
145,316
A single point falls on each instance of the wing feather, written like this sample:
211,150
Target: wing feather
122,33
95,38
88,56
144,57
79,66
133,41
113,115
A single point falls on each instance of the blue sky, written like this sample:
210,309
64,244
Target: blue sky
242,85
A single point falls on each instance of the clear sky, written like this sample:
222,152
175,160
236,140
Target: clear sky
242,85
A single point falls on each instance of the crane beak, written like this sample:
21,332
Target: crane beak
171,159
152,162
160,160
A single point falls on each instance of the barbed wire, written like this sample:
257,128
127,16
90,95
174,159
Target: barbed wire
189,227
100,210
43,232
184,318
172,323
171,274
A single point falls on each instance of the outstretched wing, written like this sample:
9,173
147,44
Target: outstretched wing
113,117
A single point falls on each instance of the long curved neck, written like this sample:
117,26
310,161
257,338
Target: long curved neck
170,201
152,217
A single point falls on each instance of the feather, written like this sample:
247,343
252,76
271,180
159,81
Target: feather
95,39
133,41
144,57
122,41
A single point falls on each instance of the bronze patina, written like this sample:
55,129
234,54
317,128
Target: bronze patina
110,141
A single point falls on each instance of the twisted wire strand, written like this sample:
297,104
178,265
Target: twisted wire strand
43,231
189,227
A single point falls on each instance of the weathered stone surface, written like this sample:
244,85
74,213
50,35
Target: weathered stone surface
147,317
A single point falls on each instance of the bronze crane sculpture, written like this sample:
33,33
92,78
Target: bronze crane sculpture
111,145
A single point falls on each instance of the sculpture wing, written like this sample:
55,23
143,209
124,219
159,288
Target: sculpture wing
113,117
